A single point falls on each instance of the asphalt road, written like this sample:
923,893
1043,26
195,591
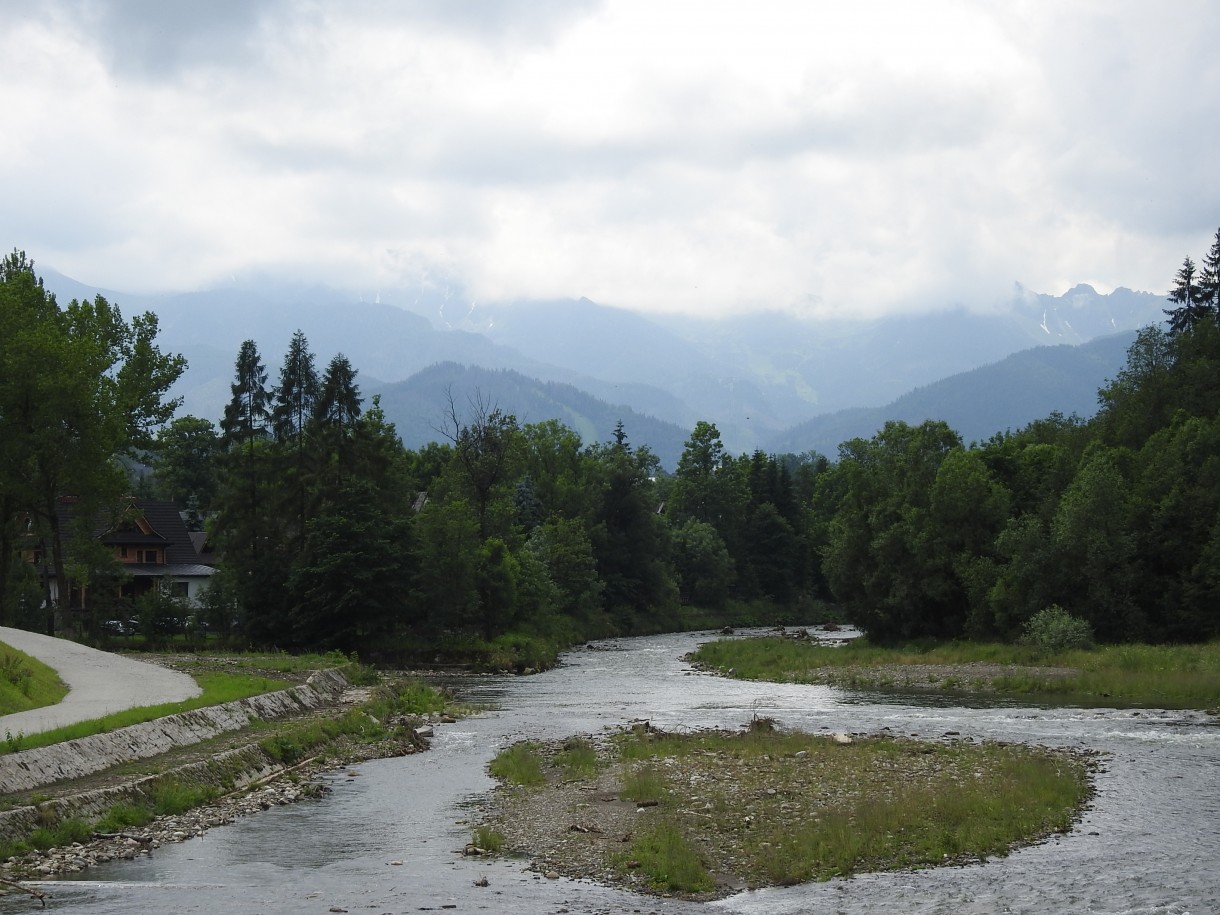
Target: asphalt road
99,683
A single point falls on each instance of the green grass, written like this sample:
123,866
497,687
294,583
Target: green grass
292,744
488,839
1153,676
578,758
669,859
217,689
802,807
643,784
26,683
166,798
764,807
519,764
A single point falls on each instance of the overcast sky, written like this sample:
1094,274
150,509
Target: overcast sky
827,157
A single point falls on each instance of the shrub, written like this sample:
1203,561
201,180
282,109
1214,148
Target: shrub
1053,629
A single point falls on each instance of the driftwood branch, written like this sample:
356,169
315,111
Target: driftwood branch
37,894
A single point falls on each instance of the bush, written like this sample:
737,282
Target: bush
1053,629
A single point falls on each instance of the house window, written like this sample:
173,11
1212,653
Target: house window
180,589
122,552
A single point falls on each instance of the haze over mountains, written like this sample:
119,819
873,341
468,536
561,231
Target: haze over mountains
768,380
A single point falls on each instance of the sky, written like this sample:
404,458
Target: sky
704,157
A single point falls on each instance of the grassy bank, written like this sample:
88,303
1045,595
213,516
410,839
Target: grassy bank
707,813
217,688
26,683
1151,676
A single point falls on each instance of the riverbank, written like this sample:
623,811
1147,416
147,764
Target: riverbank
139,804
704,815
1128,676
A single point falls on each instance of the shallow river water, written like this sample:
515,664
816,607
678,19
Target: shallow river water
388,840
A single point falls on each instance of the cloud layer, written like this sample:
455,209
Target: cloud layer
706,157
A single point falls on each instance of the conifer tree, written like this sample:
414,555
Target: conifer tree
1188,296
297,394
1209,280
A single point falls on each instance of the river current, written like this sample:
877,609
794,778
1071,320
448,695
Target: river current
389,839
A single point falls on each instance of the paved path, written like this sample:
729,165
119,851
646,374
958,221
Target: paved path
99,683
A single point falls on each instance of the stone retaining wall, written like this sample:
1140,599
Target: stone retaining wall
42,766
230,770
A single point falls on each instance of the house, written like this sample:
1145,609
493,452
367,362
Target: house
149,543
152,544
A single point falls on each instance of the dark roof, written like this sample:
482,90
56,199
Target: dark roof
169,530
163,518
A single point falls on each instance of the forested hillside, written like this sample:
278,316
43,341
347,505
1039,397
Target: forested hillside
513,533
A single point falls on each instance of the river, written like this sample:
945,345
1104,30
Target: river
388,838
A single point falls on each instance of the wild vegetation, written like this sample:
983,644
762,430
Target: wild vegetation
1146,676
504,541
709,812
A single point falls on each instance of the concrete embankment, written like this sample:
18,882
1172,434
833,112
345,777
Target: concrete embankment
36,768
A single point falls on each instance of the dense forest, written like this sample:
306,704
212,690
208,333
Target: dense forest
333,535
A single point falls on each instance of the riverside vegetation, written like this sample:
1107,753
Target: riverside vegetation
208,775
707,813
1146,676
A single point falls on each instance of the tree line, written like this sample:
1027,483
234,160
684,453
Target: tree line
334,535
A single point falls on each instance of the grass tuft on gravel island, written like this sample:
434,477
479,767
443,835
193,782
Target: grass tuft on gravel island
710,812
1146,676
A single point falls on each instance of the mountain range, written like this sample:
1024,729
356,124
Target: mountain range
768,380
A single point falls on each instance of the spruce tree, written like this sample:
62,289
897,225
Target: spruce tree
1209,281
297,394
1188,296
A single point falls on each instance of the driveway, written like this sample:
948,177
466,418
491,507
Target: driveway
99,683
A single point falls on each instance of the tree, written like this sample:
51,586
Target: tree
352,579
563,547
292,413
1189,297
247,417
1141,399
1209,279
704,567
486,450
245,523
882,559
629,536
339,400
707,485
1092,534
185,460
296,396
79,387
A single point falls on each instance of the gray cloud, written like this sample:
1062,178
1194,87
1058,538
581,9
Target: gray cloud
864,157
